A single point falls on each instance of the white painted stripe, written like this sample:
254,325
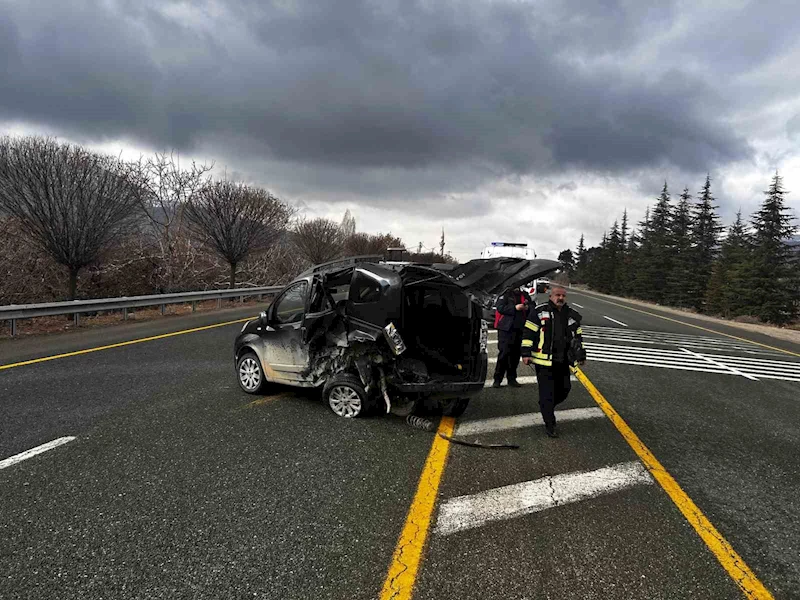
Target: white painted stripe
525,379
576,304
466,512
757,361
491,342
665,361
774,369
528,378
602,330
615,321
713,362
640,363
12,460
526,420
764,376
635,349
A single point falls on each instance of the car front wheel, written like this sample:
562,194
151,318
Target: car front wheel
250,374
345,395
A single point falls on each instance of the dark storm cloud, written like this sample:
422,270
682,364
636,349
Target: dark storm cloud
514,86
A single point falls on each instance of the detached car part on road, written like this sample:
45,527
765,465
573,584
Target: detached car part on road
372,333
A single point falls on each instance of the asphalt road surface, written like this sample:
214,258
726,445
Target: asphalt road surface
169,482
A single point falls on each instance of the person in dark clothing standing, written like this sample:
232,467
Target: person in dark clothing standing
512,308
553,341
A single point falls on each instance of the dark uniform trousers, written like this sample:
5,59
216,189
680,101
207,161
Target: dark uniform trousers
554,386
509,346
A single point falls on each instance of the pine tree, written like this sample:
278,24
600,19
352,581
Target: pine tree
641,256
680,276
624,269
566,258
705,244
727,289
597,269
613,259
655,260
774,283
580,262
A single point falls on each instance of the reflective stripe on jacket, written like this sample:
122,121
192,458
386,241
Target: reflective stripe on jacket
537,337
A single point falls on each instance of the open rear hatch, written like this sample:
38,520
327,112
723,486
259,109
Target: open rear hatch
484,278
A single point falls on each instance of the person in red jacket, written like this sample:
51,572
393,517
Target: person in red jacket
512,308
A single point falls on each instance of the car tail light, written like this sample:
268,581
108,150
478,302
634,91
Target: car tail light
484,335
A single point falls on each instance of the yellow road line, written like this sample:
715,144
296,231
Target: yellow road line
120,344
741,339
402,575
726,555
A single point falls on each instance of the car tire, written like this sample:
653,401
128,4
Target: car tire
345,396
250,373
454,407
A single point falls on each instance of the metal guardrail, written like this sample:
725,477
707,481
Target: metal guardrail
13,312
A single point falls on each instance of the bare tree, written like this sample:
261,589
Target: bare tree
234,220
365,243
73,203
318,240
165,190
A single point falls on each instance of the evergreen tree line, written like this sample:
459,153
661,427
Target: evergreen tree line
680,255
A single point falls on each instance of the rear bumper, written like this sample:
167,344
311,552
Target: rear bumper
449,387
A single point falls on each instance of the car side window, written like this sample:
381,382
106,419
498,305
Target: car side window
291,305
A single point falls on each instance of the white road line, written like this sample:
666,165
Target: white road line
576,304
12,460
615,321
491,342
526,420
466,512
715,363
641,363
760,362
524,379
675,339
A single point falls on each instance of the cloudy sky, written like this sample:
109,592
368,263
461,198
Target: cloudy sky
514,120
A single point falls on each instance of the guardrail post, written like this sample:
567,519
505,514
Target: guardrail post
13,327
163,309
124,314
77,319
194,306
219,302
241,299
260,297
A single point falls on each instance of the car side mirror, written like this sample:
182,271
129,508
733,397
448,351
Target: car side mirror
263,319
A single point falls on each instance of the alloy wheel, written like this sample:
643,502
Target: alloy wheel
250,373
345,401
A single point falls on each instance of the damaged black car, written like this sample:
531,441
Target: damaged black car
377,334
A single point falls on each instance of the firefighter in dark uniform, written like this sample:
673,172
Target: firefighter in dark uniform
553,341
512,308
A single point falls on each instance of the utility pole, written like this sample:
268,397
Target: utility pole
441,243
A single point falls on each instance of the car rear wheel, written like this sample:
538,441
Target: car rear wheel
345,395
454,407
250,374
